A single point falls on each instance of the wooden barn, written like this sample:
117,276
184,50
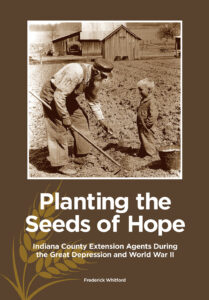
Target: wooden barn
62,45
121,43
91,42
91,47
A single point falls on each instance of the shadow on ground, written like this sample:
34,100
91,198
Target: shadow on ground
38,158
155,165
127,150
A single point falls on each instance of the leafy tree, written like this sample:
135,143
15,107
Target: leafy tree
169,30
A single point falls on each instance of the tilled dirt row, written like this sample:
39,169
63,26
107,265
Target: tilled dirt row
119,99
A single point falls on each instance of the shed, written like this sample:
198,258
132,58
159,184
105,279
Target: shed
121,43
61,45
91,42
91,47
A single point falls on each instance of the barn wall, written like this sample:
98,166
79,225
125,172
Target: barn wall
58,48
91,48
122,44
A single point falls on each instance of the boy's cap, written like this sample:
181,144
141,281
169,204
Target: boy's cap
103,65
146,83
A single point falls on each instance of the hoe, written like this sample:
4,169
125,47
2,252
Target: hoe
82,135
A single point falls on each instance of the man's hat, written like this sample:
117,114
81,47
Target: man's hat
103,66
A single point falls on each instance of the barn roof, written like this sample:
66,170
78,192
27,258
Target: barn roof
117,29
66,36
103,35
94,35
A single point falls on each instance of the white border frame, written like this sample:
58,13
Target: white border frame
181,101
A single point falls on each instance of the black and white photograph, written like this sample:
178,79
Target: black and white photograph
104,99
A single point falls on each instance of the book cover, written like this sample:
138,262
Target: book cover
119,223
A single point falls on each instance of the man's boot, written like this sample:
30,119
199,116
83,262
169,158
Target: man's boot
67,170
80,159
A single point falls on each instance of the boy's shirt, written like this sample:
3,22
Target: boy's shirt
147,112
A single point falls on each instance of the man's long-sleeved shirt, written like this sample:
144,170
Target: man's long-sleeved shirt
67,80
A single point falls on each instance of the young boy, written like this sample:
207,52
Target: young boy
147,114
